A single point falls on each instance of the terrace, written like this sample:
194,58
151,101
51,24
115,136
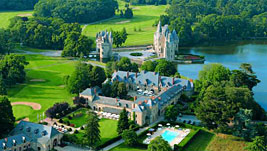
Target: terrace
173,135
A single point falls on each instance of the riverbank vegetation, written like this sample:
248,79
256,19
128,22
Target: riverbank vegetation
199,21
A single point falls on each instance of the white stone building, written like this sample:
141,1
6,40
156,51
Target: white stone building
104,41
166,43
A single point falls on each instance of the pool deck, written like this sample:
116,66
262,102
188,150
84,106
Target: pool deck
182,133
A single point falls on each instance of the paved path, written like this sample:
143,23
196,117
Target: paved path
137,132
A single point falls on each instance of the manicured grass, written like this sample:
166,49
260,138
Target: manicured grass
200,142
80,118
127,148
108,130
6,15
25,48
144,17
21,111
226,143
50,70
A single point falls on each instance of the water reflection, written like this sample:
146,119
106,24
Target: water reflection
232,55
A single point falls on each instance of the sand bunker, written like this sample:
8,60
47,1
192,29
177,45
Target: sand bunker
25,119
24,15
123,22
34,106
37,80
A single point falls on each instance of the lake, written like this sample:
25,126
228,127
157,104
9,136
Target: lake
231,55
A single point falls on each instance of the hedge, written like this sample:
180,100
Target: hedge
186,142
136,54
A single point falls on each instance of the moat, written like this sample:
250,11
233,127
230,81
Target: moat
232,55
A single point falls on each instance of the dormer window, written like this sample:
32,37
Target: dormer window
126,105
4,145
36,131
28,129
21,128
23,139
14,142
44,133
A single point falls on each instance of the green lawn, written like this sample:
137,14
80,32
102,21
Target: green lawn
108,130
200,142
21,111
127,148
6,15
79,120
44,83
144,17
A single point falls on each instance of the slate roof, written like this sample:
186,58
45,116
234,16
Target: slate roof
88,92
36,132
113,101
10,141
149,78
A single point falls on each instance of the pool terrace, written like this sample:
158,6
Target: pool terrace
173,135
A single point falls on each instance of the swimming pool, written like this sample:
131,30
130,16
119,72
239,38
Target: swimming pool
169,135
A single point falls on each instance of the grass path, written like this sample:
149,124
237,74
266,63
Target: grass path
48,90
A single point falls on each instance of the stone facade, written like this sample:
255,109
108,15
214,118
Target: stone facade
166,43
104,41
31,136
144,109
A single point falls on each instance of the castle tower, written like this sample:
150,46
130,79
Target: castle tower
104,41
166,43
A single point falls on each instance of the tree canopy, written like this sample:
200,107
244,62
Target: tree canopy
221,94
199,20
159,144
17,4
81,11
130,137
123,123
92,132
7,119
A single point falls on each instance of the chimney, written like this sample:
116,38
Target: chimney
173,79
135,74
135,98
133,105
146,101
159,98
6,140
155,73
139,102
127,74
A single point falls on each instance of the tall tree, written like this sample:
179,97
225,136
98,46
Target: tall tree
98,76
79,79
165,68
130,137
243,126
92,132
122,90
159,144
171,113
149,66
3,90
123,123
7,119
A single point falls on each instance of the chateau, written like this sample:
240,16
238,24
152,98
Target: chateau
104,42
143,109
166,43
31,136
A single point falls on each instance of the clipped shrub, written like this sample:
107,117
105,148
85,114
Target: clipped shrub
69,129
60,121
76,131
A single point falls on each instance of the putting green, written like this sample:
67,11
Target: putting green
21,111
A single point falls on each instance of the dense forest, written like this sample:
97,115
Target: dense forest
81,11
207,20
17,4
149,2
50,33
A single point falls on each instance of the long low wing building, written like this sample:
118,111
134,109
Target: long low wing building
144,109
